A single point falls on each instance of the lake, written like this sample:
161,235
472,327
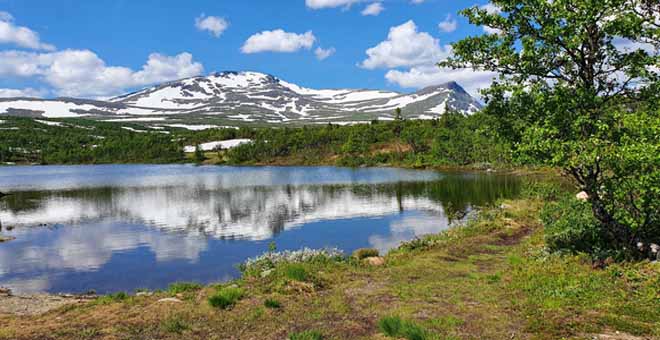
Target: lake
114,228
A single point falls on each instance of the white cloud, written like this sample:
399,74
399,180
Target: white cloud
405,46
427,75
278,41
320,4
419,53
373,9
322,54
448,25
27,92
19,35
491,8
83,73
215,25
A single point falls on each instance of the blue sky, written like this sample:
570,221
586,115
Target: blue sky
100,48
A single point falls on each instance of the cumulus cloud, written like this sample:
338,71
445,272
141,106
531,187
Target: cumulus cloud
448,25
412,56
405,46
322,53
83,73
320,4
278,41
214,25
373,9
27,92
21,36
421,76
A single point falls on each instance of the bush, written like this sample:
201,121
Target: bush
363,253
175,324
395,327
306,335
226,297
571,227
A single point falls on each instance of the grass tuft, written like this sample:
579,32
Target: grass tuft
272,304
183,287
395,327
175,324
306,335
363,253
226,297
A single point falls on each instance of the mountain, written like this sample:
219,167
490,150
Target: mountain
250,97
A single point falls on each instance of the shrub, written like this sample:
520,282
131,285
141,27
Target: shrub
175,324
363,253
183,287
306,335
570,227
226,297
115,297
272,303
395,327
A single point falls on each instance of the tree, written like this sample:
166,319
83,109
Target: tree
397,114
576,78
199,154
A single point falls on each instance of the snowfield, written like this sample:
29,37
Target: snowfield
210,146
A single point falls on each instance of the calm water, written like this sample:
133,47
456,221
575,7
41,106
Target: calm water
123,227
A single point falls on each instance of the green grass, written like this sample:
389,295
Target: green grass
306,335
272,304
226,297
175,324
395,327
183,287
296,272
110,298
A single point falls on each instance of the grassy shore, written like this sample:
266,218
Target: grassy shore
490,279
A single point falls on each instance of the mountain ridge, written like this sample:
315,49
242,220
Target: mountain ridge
247,96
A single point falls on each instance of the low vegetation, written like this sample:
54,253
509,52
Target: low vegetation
497,277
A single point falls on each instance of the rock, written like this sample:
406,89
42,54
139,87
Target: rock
5,291
266,273
505,206
6,238
375,261
144,294
582,196
175,300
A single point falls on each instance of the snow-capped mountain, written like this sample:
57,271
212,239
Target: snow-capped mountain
252,97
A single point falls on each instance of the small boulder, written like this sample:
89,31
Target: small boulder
266,273
374,261
582,196
144,294
174,300
5,291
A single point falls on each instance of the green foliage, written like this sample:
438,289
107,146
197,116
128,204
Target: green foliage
296,272
395,327
306,335
183,287
455,140
110,298
175,324
571,98
272,303
226,297
363,253
571,227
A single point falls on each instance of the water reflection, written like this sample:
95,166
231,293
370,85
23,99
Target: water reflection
138,227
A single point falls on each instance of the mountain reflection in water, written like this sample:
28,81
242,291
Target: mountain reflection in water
125,227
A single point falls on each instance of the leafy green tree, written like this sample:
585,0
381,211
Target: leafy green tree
199,154
578,78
